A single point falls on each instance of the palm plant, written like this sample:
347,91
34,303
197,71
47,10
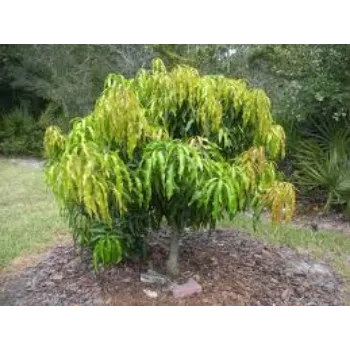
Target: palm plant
323,162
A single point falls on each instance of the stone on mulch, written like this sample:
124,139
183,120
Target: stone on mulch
154,277
233,269
151,293
186,289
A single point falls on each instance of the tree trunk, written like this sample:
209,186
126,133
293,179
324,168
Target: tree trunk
172,265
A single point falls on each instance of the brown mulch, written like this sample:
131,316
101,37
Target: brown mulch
231,267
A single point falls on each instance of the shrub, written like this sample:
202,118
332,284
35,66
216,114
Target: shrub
16,128
23,135
173,146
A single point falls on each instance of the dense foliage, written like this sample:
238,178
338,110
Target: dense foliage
166,145
48,84
23,135
313,106
68,77
307,84
323,164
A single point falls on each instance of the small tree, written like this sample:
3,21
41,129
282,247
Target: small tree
170,145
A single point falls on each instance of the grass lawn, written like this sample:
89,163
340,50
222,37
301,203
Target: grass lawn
29,219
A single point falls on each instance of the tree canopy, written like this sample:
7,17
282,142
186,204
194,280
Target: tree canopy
171,145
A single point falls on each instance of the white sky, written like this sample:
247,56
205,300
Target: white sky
232,51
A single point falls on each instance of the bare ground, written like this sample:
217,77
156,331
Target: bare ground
231,267
323,221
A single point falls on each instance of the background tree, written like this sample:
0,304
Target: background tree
51,84
69,76
313,106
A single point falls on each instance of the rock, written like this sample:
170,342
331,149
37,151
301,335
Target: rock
153,277
187,289
150,293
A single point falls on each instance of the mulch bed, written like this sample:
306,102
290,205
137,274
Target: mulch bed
231,267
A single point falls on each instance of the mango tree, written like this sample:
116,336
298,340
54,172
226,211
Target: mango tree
169,147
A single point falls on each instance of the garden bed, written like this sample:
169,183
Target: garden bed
231,267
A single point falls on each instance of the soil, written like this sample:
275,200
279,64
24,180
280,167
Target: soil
231,267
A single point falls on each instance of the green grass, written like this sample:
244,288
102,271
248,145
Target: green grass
331,247
29,218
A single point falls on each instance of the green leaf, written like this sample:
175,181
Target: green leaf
170,183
